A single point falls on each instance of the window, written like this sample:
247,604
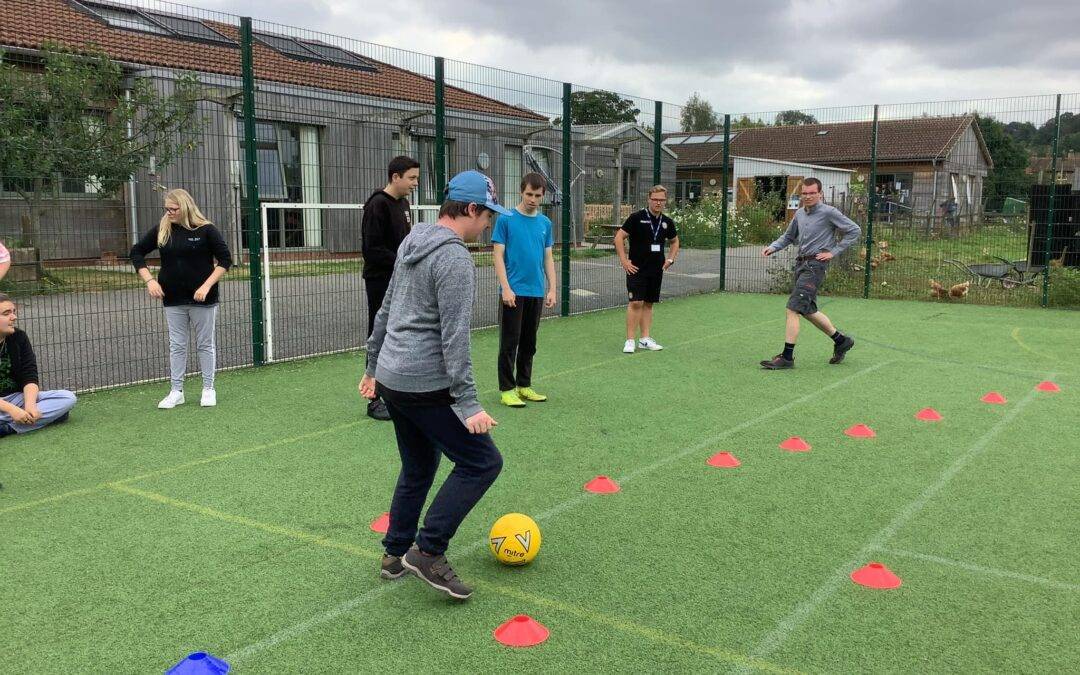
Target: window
893,188
512,173
630,185
288,170
687,191
62,184
422,149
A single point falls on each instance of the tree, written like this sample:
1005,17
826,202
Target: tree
745,122
790,118
1008,177
698,115
68,121
601,107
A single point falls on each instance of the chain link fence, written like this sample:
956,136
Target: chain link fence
282,134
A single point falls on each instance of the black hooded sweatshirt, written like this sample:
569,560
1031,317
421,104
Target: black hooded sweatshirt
385,223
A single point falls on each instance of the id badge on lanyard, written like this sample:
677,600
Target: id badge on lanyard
655,247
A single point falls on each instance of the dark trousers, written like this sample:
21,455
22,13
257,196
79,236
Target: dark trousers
376,291
422,434
517,341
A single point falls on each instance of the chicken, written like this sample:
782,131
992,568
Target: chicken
960,290
937,290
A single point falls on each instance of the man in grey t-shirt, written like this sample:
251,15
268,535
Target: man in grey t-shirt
815,228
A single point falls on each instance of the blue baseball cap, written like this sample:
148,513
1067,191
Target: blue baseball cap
473,187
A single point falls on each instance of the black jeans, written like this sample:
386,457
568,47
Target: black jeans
517,341
423,433
376,291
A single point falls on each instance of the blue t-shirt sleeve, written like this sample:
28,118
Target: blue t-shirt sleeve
549,240
499,234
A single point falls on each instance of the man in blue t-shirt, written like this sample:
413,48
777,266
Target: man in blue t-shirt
526,270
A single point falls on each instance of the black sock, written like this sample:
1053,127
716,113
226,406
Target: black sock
789,351
837,337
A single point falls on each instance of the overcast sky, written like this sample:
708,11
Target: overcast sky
765,55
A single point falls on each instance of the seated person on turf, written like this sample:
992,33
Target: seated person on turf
525,268
822,232
23,406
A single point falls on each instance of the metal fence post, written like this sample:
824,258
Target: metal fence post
658,137
566,215
871,203
440,130
724,202
1050,208
251,169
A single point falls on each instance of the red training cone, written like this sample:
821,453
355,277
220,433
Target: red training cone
381,524
993,397
795,444
875,575
602,485
521,631
1047,385
860,431
928,415
724,460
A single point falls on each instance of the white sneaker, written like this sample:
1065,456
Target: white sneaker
174,399
209,398
650,344
628,348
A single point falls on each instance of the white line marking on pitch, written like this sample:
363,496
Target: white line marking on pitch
348,606
979,569
786,626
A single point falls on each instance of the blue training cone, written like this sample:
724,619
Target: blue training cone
199,663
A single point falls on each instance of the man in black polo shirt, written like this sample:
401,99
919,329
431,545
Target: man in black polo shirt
385,223
648,231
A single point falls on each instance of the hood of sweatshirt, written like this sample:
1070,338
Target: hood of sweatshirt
424,240
380,194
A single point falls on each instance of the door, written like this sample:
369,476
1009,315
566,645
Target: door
745,194
793,192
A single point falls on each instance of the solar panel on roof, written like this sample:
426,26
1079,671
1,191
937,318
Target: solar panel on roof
121,17
285,45
190,28
309,50
699,138
335,55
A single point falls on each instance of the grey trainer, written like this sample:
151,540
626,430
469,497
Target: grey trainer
436,571
391,567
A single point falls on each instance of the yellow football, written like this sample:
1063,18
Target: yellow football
515,539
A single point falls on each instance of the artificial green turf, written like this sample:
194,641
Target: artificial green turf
245,529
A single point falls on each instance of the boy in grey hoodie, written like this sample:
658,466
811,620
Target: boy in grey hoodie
418,362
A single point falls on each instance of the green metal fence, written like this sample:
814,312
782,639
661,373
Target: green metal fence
281,135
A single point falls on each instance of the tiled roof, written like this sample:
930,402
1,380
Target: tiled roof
915,140
1068,163
31,23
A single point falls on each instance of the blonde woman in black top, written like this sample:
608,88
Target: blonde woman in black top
194,256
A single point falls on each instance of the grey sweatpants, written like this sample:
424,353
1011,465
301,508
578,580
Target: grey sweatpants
183,320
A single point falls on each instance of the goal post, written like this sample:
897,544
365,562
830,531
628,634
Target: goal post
314,229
